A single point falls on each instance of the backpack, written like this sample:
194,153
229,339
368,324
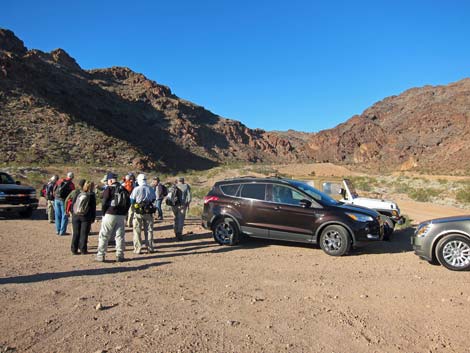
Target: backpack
164,190
82,204
174,196
62,190
121,198
44,191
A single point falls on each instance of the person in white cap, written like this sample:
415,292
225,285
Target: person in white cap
142,201
50,198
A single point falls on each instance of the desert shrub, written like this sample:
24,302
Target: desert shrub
423,195
402,188
199,192
364,183
464,195
442,181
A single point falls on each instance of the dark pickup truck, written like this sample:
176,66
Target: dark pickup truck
15,197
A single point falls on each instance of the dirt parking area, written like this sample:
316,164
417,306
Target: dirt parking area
196,296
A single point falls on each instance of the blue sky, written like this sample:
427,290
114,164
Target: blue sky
276,65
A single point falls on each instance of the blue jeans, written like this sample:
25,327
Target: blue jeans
61,218
159,208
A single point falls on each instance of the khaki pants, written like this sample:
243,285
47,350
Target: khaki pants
145,222
180,215
112,225
50,211
130,216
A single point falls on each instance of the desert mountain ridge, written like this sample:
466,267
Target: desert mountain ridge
54,112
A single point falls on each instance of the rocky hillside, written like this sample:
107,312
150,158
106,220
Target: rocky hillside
424,128
52,111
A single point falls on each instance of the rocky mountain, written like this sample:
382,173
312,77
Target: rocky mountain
424,128
53,111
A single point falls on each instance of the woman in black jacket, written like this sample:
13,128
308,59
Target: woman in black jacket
83,215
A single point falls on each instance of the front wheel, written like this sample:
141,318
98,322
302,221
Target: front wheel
389,226
335,240
226,232
453,252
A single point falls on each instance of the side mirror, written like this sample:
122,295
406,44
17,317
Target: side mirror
305,203
18,182
341,191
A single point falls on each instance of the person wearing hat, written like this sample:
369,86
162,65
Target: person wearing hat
180,210
50,198
115,205
62,189
142,202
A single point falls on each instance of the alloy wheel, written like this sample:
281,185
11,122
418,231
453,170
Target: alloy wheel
456,253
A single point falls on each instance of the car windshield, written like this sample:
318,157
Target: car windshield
317,195
6,179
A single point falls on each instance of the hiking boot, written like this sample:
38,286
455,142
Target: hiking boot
137,251
179,236
74,252
99,258
151,251
120,259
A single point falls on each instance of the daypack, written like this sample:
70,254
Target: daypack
82,204
44,191
62,190
174,196
164,190
121,198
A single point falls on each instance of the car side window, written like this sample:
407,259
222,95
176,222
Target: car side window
230,190
253,191
286,195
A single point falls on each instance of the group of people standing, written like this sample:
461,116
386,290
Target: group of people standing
133,202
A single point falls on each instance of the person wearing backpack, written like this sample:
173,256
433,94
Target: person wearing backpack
160,192
62,189
142,201
49,196
115,205
83,215
180,198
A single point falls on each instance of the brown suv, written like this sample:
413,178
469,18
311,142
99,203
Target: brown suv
285,209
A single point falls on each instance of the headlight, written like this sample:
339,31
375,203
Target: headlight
359,217
423,230
395,213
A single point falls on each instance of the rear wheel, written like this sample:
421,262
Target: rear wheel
335,240
226,232
453,252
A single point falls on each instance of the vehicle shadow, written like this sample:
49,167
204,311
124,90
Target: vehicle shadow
47,276
400,242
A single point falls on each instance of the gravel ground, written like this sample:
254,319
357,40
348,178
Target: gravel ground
196,296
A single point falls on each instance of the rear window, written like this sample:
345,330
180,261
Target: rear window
230,190
253,191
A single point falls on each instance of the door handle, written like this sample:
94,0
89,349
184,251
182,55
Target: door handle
277,208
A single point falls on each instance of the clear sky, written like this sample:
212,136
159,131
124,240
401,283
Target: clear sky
276,65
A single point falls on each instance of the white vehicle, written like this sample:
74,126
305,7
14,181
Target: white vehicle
389,209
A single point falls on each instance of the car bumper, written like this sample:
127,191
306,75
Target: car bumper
369,232
22,205
422,247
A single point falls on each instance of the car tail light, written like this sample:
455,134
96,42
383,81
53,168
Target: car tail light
208,199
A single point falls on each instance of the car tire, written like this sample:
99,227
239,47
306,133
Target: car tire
453,252
335,240
27,213
226,232
389,226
